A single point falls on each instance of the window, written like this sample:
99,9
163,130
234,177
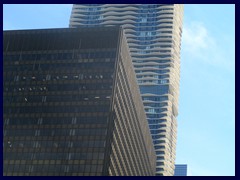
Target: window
74,120
66,168
48,77
142,34
44,98
143,19
72,132
151,110
6,122
163,81
16,78
40,120
100,17
37,133
147,47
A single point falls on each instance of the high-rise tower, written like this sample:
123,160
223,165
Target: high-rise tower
154,38
72,105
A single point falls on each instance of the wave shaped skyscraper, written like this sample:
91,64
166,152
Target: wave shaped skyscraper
154,37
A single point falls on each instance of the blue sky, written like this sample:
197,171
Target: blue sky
206,121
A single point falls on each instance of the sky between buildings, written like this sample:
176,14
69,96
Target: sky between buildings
206,121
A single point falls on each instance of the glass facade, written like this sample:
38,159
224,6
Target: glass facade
59,91
153,34
180,170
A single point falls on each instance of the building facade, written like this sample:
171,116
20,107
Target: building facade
180,170
153,34
72,106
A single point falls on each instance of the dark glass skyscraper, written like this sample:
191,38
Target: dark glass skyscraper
72,105
153,34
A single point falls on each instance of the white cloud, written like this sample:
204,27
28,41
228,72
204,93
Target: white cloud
195,37
201,45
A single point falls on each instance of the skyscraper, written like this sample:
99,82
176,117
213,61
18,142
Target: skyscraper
180,170
153,34
72,105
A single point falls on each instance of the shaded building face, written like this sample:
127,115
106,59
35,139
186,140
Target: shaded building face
62,112
153,34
